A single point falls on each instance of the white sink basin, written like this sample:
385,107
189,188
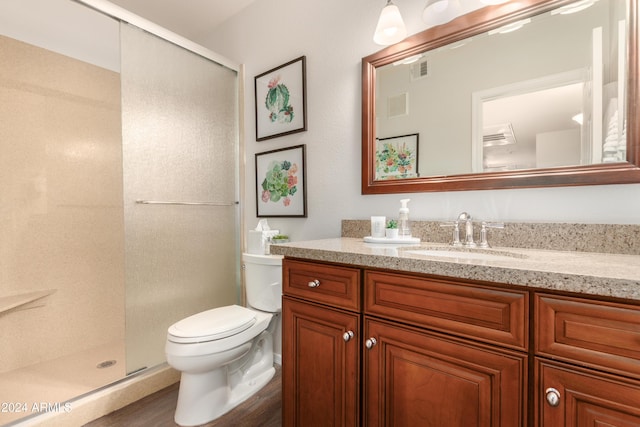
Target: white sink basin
466,254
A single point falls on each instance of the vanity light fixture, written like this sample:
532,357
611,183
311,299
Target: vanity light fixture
460,43
573,8
437,12
509,28
578,118
390,28
409,60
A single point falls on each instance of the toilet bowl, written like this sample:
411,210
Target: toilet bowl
225,354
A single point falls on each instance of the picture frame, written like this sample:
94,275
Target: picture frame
280,100
397,157
281,184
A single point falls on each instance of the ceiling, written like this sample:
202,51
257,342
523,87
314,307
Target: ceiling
191,19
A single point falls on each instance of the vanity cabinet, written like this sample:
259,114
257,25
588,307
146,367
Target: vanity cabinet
414,364
587,365
365,346
321,350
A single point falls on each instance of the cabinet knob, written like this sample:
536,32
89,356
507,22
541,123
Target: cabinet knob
314,283
347,336
553,396
371,342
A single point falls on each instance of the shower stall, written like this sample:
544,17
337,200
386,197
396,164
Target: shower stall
119,189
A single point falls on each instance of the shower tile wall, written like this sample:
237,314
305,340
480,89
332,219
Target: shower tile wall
61,209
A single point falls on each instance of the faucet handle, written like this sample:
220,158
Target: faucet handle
483,232
455,240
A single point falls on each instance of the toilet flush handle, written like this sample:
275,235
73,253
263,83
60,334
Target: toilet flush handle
314,283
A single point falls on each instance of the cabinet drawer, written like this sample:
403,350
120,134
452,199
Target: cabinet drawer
598,334
328,284
478,312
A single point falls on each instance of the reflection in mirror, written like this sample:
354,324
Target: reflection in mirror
527,81
549,92
552,116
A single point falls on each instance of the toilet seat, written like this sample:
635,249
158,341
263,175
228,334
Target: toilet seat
212,325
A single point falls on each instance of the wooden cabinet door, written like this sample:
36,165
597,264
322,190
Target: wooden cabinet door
583,398
413,378
320,366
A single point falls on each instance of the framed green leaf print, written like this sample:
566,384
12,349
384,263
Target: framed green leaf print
281,100
281,183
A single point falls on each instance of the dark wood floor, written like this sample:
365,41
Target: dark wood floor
264,409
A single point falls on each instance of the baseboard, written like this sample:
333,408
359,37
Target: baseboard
106,400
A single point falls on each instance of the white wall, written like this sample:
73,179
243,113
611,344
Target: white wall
335,35
65,27
559,148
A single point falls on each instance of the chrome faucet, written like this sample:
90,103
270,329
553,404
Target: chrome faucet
468,230
464,219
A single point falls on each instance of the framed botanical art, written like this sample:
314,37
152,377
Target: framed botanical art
281,100
281,183
397,157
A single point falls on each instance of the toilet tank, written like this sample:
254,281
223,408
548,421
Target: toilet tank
263,281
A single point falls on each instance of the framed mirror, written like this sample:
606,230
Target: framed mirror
532,93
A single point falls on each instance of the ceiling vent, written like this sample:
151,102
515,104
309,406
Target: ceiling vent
495,135
419,70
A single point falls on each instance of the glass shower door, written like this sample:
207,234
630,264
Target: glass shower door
180,169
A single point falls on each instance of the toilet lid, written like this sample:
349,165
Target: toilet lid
212,324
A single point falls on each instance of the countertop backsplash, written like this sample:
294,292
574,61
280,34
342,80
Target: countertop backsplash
602,238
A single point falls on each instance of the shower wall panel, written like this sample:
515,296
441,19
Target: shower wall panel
61,214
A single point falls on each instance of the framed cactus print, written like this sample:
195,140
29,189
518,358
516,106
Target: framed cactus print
397,157
281,100
281,183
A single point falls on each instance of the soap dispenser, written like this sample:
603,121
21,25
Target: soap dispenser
404,230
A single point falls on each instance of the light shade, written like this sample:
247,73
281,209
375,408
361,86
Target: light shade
509,28
390,28
573,7
578,118
437,12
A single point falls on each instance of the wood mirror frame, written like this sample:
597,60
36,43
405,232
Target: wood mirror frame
469,25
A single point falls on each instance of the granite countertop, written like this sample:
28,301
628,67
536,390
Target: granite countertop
600,274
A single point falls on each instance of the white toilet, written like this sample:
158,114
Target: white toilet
226,354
